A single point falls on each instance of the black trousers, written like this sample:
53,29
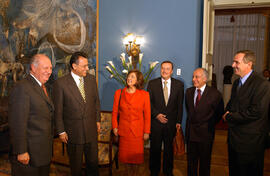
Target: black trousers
158,135
245,164
199,155
90,152
19,169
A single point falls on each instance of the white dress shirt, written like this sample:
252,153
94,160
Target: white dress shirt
168,85
76,78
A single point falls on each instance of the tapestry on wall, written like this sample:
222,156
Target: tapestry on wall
56,28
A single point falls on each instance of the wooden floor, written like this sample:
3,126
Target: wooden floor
219,163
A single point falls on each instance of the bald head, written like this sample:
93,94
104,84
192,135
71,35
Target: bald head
41,67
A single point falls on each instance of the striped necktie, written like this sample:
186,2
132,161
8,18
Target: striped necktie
81,88
165,92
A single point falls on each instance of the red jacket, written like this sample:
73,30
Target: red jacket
134,111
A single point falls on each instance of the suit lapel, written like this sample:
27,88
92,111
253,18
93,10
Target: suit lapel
191,97
246,84
74,89
204,95
172,91
39,90
160,85
87,87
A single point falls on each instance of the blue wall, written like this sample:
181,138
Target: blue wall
172,29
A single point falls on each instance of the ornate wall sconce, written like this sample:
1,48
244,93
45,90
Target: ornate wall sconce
133,44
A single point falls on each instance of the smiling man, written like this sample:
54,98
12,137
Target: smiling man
247,117
205,108
77,115
30,121
166,96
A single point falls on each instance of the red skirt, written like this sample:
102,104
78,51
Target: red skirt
131,150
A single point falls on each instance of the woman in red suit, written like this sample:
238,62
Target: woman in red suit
133,125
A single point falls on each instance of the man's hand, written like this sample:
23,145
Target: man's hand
162,118
145,136
98,127
224,116
178,125
23,158
63,137
115,131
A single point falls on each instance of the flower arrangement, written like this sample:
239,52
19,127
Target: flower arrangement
127,66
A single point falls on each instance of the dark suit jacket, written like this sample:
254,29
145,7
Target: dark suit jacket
201,120
174,108
248,120
30,122
72,115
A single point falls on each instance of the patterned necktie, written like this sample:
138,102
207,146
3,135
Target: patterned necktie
44,89
81,88
165,92
198,97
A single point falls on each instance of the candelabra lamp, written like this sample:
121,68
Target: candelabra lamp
133,44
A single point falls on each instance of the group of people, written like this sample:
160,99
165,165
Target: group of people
73,113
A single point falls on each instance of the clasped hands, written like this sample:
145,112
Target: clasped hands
23,158
162,118
224,116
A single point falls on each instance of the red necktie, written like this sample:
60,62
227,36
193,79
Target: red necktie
198,97
45,90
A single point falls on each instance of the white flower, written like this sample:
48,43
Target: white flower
153,64
111,63
128,65
109,69
130,60
122,57
125,71
140,57
111,76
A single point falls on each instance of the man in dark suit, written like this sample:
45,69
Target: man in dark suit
77,115
247,117
205,108
166,96
266,74
30,121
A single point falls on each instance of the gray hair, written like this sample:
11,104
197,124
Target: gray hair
205,73
249,56
35,60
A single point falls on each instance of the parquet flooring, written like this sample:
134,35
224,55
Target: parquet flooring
219,163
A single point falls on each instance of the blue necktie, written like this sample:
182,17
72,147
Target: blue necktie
239,85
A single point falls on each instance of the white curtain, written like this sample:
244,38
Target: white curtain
231,34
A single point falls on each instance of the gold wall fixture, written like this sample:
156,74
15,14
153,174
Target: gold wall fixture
133,44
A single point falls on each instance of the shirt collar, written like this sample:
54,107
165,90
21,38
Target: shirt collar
243,80
202,88
76,77
168,81
39,83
